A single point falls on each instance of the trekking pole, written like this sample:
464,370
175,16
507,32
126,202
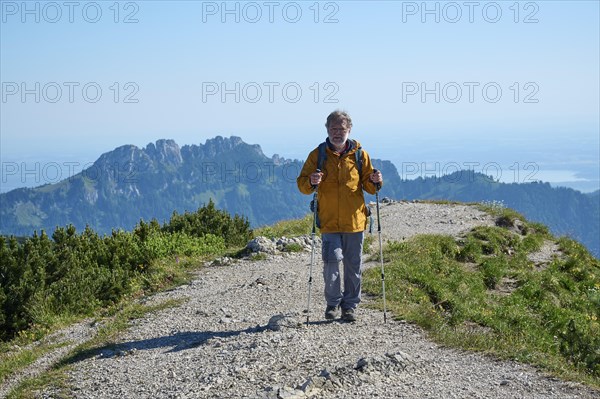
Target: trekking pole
312,255
378,187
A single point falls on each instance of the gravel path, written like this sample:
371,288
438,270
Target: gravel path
401,220
67,339
240,335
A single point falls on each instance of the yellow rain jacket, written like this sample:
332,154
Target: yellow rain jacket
340,197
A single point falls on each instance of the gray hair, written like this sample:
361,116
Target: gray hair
339,116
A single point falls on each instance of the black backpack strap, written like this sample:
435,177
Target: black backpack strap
320,162
322,155
358,155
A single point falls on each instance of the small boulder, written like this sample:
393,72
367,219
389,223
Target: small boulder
280,321
261,244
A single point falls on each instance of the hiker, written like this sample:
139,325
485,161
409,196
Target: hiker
340,170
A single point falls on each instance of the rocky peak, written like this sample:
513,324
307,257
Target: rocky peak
219,145
278,160
120,156
165,151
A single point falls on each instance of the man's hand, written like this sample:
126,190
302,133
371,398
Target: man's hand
315,178
376,177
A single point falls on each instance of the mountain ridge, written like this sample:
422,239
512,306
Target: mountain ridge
131,183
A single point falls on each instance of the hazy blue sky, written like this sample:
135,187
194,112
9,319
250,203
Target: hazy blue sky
506,82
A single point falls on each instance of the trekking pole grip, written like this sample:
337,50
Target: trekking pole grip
314,186
377,185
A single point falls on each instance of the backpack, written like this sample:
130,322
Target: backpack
321,161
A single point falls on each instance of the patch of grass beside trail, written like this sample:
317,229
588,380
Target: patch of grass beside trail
114,322
482,293
287,228
18,360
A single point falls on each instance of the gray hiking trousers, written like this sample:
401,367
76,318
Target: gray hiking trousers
345,248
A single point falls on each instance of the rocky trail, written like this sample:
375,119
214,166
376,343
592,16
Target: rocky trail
240,334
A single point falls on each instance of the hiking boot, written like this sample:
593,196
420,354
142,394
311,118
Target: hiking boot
330,312
348,315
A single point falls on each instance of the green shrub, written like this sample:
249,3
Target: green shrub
210,220
69,275
161,244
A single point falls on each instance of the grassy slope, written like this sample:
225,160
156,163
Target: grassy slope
482,293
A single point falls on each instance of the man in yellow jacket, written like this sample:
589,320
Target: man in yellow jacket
342,213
